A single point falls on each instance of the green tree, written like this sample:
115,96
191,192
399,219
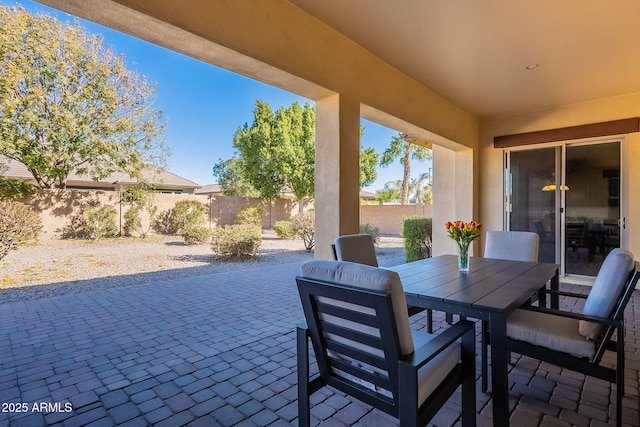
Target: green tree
401,148
368,166
277,153
295,135
258,150
390,193
421,189
231,179
368,163
68,103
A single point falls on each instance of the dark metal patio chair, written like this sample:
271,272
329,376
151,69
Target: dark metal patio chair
578,341
358,325
360,248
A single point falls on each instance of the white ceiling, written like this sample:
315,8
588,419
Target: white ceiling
475,52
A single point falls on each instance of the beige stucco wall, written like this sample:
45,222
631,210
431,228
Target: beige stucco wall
390,218
571,115
61,211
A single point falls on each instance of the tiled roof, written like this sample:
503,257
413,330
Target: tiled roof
367,195
161,178
209,189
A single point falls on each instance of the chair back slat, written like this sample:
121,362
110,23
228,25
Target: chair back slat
357,357
377,380
338,334
341,310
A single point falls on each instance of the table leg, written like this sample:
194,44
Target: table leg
554,287
499,370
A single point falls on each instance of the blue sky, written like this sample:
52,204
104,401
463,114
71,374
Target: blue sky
205,104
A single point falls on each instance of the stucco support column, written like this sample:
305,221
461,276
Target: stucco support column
337,171
453,194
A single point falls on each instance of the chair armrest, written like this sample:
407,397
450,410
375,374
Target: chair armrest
571,315
563,293
422,355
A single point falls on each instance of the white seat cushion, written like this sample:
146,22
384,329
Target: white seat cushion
607,289
550,331
371,278
435,371
512,245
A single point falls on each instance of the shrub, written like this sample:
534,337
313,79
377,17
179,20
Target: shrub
19,225
250,215
372,230
305,224
417,232
140,198
132,221
188,213
195,234
16,188
285,230
100,222
236,241
165,223
187,219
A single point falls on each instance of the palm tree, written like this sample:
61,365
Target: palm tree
406,151
390,193
421,188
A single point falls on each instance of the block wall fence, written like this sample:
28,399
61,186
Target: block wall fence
61,209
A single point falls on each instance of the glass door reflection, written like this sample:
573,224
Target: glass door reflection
578,217
533,202
592,206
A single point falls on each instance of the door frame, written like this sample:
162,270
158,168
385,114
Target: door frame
561,195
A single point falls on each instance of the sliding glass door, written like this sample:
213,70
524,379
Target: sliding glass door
533,206
592,206
570,195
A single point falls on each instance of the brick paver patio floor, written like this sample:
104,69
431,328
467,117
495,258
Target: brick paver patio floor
220,350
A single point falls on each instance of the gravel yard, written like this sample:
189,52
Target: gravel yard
56,267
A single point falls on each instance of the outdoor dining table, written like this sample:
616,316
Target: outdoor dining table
491,291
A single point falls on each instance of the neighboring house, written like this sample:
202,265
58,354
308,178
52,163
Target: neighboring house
164,181
210,190
367,196
216,190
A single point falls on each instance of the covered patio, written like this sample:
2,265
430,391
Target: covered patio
219,350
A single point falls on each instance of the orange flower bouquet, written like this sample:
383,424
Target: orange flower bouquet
463,233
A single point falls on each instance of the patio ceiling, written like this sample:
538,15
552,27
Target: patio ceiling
476,53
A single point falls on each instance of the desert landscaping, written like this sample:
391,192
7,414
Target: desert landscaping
60,266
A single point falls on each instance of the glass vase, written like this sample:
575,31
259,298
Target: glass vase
463,258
